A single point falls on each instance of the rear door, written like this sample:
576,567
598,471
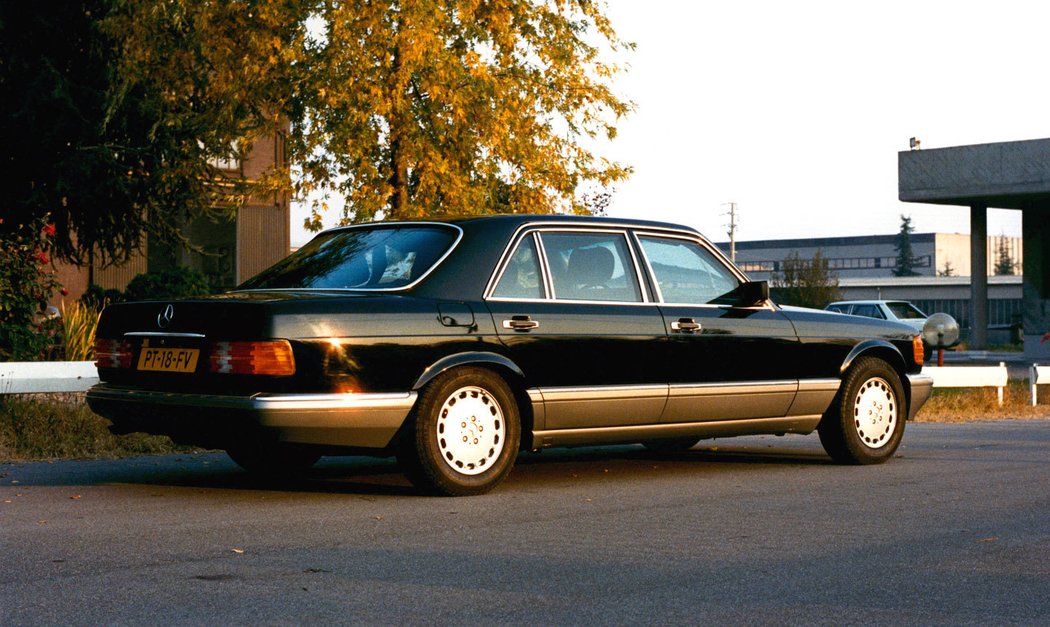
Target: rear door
570,306
724,359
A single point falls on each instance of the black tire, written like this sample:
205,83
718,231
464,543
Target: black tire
270,459
463,435
671,445
865,422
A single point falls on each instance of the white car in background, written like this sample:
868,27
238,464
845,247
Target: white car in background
896,310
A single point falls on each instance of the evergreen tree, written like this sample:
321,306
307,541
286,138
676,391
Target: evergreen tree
905,265
1004,263
806,282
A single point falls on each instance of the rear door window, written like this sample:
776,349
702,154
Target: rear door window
591,267
522,277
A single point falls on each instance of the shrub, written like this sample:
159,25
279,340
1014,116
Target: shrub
97,297
27,281
177,282
79,322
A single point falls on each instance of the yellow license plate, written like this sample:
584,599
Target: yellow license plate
168,359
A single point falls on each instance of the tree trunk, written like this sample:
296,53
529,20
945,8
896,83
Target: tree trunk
398,180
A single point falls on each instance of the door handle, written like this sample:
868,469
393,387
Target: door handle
686,325
520,323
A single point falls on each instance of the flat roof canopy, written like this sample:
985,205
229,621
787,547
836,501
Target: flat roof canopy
1007,175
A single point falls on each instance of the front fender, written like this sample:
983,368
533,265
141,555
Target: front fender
465,359
881,348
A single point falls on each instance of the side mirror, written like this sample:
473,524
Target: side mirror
753,293
745,295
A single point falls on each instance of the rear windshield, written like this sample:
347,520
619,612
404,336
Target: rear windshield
367,258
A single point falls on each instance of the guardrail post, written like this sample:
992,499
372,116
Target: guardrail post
1002,364
1032,374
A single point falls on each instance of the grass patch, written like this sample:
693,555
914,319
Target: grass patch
976,404
60,426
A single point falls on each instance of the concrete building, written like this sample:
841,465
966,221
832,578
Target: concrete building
870,256
1008,175
864,266
232,250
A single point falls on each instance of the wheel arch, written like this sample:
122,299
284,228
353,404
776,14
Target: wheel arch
501,365
886,352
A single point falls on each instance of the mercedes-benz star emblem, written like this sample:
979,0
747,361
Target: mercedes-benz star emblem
164,317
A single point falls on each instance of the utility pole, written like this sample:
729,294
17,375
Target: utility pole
732,230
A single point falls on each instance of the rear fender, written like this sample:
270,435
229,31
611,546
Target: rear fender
499,362
530,408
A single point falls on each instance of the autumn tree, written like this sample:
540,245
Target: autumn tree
402,109
805,282
906,261
116,111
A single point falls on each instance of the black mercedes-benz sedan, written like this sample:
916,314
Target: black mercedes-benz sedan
455,344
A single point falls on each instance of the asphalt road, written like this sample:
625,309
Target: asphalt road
955,530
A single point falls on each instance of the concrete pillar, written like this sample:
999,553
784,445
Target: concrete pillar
1035,227
978,277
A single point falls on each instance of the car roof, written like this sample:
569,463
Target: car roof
518,219
868,302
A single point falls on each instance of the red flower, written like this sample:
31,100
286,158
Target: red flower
1046,338
63,292
42,258
49,230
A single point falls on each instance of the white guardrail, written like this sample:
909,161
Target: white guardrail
1037,375
31,377
969,377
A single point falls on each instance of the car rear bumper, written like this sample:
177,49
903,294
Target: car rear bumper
921,388
357,420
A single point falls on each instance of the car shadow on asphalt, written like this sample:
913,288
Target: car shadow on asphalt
367,476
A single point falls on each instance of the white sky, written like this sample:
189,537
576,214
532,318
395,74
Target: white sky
796,110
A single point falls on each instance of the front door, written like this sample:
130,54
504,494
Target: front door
725,359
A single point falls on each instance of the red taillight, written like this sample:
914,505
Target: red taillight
273,358
112,353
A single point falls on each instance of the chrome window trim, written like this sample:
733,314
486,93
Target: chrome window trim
504,263
571,302
537,230
162,334
704,244
421,278
545,269
711,248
